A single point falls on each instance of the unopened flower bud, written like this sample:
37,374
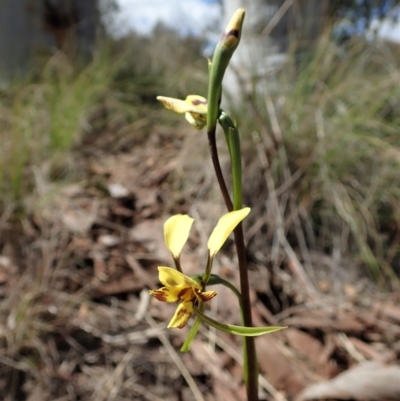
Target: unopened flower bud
231,36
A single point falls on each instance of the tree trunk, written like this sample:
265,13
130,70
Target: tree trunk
29,28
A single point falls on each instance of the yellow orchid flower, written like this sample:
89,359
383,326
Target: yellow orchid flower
179,287
194,107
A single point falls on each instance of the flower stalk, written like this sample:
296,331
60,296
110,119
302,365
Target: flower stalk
191,292
222,55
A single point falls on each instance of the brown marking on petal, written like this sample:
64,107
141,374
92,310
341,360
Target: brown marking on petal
158,294
232,32
186,294
182,312
197,116
204,296
196,102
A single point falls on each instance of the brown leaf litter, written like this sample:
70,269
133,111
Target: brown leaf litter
77,322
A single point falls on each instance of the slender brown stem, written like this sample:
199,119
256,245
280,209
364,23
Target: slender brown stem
252,379
212,143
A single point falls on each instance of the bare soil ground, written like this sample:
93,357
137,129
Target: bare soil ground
77,323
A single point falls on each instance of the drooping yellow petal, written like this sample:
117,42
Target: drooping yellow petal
172,278
182,315
176,232
225,226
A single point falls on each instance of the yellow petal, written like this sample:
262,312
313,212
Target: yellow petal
193,103
198,104
177,105
197,120
176,232
166,294
225,226
172,278
182,315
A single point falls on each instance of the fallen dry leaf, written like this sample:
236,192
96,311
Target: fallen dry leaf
382,354
340,321
277,366
305,345
368,381
388,310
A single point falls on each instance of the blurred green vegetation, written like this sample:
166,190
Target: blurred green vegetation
338,113
47,113
42,116
333,127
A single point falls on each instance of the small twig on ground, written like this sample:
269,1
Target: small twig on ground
178,361
349,347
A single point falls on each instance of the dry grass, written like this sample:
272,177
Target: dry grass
76,319
330,136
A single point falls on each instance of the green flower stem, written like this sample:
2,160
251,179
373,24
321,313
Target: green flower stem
209,279
222,55
249,350
250,354
177,264
207,272
193,331
233,141
215,280
203,280
217,168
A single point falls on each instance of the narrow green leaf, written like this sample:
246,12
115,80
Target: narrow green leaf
238,330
